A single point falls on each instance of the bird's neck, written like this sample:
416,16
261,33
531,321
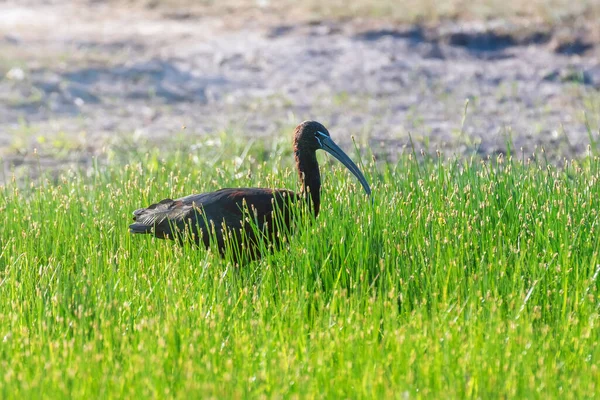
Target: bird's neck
308,170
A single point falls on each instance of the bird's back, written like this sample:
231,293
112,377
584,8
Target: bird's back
241,211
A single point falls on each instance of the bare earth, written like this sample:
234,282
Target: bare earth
89,74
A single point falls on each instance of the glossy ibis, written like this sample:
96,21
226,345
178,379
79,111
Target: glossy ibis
226,213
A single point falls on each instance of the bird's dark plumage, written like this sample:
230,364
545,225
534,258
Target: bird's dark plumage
244,216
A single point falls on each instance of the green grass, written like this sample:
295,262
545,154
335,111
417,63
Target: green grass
553,12
463,279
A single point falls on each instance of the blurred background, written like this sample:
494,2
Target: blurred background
87,78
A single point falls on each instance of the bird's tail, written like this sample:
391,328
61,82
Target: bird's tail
140,228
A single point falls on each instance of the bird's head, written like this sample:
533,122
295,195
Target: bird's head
311,136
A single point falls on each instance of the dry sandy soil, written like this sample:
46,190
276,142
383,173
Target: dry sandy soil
78,75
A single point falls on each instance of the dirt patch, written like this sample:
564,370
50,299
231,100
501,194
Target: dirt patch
101,72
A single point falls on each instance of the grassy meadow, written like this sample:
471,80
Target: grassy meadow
463,278
552,12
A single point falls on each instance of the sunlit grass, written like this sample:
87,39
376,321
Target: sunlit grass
403,11
462,278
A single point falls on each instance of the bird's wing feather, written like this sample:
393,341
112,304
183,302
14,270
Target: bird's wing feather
165,219
165,209
225,206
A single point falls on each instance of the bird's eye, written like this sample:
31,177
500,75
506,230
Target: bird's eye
318,136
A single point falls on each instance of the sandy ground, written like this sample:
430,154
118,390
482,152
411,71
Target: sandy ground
77,75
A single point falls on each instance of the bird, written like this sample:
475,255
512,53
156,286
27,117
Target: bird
239,218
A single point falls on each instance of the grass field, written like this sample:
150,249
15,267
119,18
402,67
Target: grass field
463,279
552,12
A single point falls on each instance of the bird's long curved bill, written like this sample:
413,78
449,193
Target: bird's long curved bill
329,146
